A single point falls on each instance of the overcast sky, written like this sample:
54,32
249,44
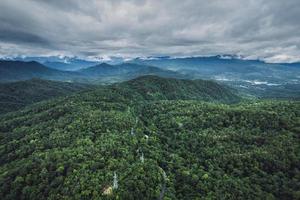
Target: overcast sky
265,29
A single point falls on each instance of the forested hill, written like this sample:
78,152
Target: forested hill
16,95
114,143
157,88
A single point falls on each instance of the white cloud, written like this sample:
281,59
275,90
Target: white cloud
254,28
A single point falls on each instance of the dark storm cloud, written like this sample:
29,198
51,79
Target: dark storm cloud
254,28
15,36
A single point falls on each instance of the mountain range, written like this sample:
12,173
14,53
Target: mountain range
252,78
229,69
67,63
103,73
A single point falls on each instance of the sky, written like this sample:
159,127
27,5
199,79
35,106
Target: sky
255,29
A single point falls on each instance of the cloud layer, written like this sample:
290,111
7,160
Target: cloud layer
264,29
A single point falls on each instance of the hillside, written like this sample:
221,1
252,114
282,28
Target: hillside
157,88
16,95
117,143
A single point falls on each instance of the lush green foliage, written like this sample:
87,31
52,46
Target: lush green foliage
16,95
156,88
159,146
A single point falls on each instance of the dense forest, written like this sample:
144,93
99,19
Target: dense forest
152,138
16,95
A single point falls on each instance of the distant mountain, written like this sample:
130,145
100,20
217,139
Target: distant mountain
19,70
102,73
16,95
158,88
296,64
126,71
210,67
72,65
103,69
63,63
68,63
249,76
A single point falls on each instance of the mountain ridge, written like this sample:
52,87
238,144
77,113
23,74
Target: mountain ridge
103,73
157,88
19,70
17,95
